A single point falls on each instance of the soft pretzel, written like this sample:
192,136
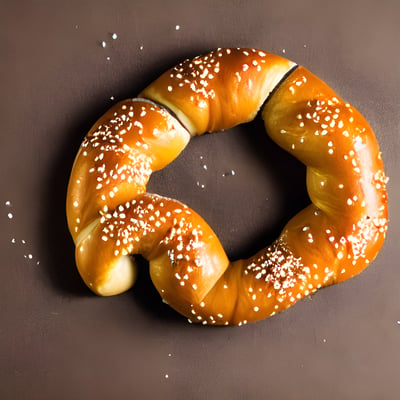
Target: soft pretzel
112,218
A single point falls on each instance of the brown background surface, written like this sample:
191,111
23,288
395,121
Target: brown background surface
57,341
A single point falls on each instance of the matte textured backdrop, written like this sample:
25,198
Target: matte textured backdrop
57,340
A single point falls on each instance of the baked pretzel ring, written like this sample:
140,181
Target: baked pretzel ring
111,216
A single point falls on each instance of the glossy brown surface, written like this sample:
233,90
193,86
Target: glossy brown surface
57,340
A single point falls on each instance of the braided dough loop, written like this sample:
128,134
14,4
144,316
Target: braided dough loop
111,217
219,90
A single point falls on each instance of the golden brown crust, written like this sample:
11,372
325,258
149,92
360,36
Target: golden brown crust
111,217
117,157
186,258
219,90
345,177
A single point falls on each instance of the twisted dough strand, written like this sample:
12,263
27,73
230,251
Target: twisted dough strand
111,217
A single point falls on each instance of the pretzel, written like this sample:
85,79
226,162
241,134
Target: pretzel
111,217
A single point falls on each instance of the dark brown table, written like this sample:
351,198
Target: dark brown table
57,340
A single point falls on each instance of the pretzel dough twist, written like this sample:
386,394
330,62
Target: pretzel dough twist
111,216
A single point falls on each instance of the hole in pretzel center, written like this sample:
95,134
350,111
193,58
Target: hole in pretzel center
240,182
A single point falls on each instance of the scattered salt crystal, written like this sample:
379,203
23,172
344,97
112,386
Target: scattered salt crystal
8,203
10,215
13,240
283,51
232,173
103,44
112,98
108,58
177,27
114,36
141,47
166,376
200,185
